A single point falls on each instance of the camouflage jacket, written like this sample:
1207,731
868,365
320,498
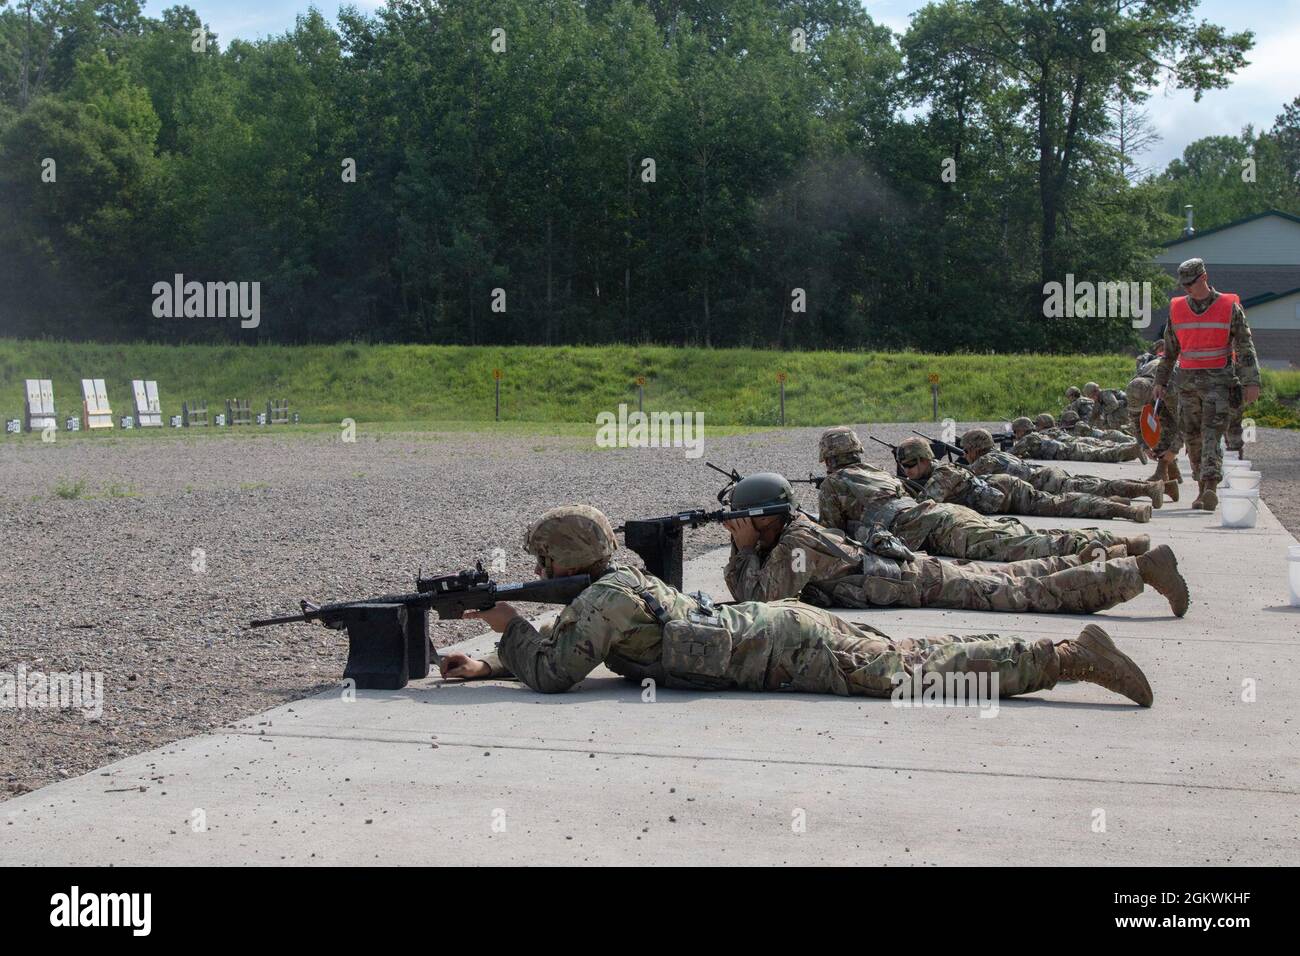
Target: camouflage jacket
1032,445
805,552
1245,365
1110,409
847,492
615,622
1002,463
951,484
1081,405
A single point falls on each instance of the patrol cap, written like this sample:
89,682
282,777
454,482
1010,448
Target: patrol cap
1044,421
976,439
1189,270
840,443
574,536
761,489
912,450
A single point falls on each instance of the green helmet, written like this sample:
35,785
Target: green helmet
914,449
1069,418
760,490
1072,392
977,439
574,536
1091,388
1044,421
1022,424
839,446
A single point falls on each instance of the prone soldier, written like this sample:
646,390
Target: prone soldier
784,556
985,459
1032,444
854,497
641,628
1002,493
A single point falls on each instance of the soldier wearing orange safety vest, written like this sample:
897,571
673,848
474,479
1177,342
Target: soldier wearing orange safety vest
1206,329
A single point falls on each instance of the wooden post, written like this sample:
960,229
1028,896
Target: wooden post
780,377
934,395
496,377
640,392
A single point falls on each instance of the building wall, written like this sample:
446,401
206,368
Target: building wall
1274,346
1268,241
1277,314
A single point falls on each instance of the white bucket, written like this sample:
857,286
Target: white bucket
1239,507
1241,478
1236,465
1293,562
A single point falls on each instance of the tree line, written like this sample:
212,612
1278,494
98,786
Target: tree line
704,172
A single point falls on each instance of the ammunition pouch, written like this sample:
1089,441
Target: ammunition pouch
696,652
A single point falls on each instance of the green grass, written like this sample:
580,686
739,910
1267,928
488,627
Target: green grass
70,490
392,388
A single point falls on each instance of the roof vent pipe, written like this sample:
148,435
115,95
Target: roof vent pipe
1188,231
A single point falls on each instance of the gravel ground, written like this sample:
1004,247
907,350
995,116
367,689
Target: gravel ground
151,576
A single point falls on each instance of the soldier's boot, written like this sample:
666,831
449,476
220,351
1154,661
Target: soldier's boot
1209,494
1157,494
1141,513
1142,451
1174,473
1094,658
1159,568
1097,552
1199,501
1171,490
1162,471
1137,544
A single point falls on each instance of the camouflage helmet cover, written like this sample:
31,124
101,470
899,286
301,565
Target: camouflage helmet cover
1022,424
839,443
1069,417
1072,392
761,489
573,536
914,449
1044,420
976,439
1091,388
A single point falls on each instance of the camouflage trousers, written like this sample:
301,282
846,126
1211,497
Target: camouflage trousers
1085,450
1204,406
803,648
1022,498
1057,481
1234,437
956,531
1043,585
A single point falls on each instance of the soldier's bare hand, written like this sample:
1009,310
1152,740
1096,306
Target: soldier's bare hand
1158,392
498,617
463,666
1250,394
743,533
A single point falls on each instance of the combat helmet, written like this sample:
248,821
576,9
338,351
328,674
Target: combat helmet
760,490
1044,422
976,440
1072,392
1091,388
913,450
1069,418
573,536
839,446
1022,424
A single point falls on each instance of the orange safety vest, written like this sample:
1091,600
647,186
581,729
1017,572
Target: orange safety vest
1203,339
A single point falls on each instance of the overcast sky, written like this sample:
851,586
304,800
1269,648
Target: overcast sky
1256,96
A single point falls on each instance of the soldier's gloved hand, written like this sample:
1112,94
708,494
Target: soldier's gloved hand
887,545
463,666
743,533
497,617
1157,392
1250,394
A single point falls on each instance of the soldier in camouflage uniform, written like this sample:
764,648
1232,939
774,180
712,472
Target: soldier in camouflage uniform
1072,426
985,459
1110,406
641,628
1003,494
1032,444
1139,395
1206,329
855,497
1075,402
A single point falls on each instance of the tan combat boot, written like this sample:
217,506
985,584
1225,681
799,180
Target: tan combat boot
1157,494
1171,490
1199,501
1159,568
1209,494
1094,658
1174,473
1142,451
1141,513
1137,544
